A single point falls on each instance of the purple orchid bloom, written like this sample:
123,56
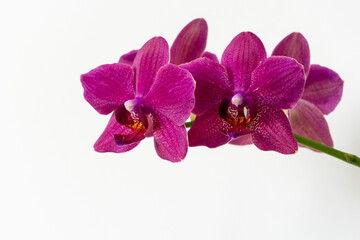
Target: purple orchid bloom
322,93
188,45
245,95
151,98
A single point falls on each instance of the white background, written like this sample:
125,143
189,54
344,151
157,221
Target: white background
54,186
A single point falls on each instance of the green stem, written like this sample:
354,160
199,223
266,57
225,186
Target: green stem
346,157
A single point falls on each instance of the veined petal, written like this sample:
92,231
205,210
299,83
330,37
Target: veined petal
278,81
209,130
170,140
272,131
323,88
149,59
190,43
244,53
172,94
295,45
128,58
108,86
308,121
212,83
211,56
106,142
242,140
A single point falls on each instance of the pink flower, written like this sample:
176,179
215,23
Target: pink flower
151,98
244,96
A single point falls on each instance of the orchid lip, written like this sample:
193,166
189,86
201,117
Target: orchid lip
235,114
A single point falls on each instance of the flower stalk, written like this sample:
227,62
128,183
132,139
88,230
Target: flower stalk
346,157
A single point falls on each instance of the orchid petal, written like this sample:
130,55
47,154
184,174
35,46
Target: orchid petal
212,83
242,140
108,86
272,131
170,140
172,94
128,58
241,57
308,121
153,55
323,88
190,43
209,130
278,81
295,46
106,142
211,56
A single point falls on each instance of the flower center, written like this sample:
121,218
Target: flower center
130,114
236,112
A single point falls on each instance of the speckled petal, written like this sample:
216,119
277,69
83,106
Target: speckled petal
172,94
308,121
128,58
108,86
190,43
278,81
149,59
272,131
170,140
244,53
212,83
323,88
242,140
106,142
209,130
295,45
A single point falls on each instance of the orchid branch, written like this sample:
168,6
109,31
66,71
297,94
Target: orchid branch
346,157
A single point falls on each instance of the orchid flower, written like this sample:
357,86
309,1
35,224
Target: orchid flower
245,95
151,98
322,92
188,45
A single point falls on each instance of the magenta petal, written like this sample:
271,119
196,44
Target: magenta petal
212,83
172,94
153,55
209,130
323,88
308,121
242,140
170,140
190,43
106,142
272,131
278,81
241,57
108,86
128,58
211,56
295,45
